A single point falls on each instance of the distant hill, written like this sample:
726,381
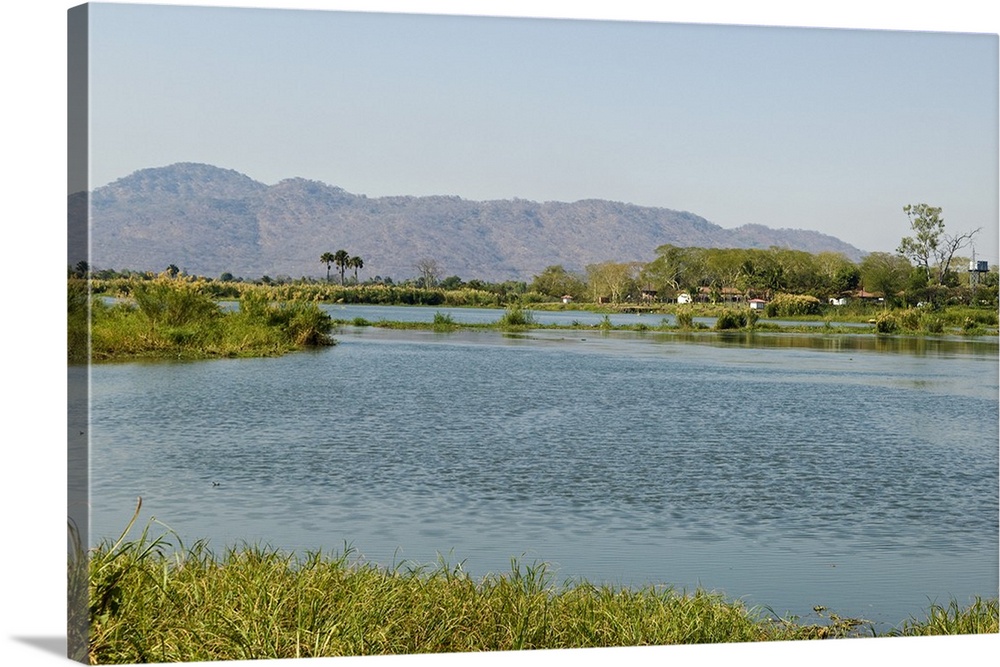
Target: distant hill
207,221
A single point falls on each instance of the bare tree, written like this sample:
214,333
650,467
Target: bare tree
430,272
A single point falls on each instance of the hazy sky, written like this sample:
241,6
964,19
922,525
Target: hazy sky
826,129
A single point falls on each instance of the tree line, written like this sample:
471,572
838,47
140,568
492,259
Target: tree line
925,268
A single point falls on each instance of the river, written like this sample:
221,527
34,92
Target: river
786,470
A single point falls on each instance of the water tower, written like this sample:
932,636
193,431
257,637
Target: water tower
976,270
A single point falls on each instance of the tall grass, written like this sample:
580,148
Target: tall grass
981,617
177,319
78,320
152,600
515,317
737,319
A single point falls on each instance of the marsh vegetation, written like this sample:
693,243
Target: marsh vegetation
175,319
153,600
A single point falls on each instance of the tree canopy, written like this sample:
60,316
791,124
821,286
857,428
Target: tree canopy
930,247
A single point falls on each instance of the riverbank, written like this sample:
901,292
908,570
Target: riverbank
150,602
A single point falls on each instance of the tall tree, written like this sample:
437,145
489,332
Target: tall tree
930,247
328,259
340,259
612,279
356,263
430,272
674,268
885,273
558,282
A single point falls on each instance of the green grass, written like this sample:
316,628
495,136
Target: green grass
978,618
515,317
177,320
152,600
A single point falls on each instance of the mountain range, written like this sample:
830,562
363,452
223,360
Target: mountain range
208,220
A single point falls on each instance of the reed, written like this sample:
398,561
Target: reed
152,600
177,319
980,617
515,317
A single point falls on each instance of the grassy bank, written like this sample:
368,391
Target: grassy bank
152,601
167,319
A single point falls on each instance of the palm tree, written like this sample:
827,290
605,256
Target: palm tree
328,259
340,258
356,263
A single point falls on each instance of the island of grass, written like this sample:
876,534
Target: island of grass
152,600
171,319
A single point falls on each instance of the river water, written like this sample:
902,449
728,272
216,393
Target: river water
852,472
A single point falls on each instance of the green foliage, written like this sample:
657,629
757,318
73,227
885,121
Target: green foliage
328,259
173,303
928,228
516,317
981,617
959,315
443,322
172,318
933,324
909,319
731,319
792,305
930,247
556,282
885,274
341,259
886,324
301,323
78,320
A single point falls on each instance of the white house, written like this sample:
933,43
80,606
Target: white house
838,301
757,304
683,297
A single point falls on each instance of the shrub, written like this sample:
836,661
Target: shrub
303,323
971,326
731,320
443,321
789,305
685,320
933,324
173,303
515,316
886,324
908,319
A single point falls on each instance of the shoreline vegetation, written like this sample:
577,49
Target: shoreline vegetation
173,319
153,600
180,317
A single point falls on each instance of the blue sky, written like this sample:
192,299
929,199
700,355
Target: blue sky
826,129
